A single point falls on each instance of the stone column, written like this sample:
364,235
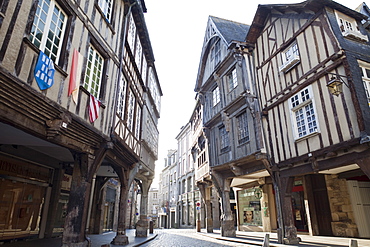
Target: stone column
206,196
75,222
223,187
126,177
142,224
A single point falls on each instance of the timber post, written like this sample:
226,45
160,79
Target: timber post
286,185
206,196
126,178
76,218
227,219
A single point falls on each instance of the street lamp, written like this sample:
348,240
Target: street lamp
335,85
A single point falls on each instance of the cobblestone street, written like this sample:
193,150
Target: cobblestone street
184,238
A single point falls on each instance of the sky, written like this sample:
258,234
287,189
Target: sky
176,30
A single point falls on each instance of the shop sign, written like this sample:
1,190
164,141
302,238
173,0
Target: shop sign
22,169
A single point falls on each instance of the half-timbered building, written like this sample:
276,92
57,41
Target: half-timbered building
231,125
79,105
312,72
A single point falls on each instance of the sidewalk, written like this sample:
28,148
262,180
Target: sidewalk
256,238
97,240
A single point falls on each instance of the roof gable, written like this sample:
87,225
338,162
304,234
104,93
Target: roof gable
314,6
230,30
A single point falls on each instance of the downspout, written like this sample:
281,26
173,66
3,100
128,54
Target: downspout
120,68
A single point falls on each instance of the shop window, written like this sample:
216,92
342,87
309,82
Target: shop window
249,208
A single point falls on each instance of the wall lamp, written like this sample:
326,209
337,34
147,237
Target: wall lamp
335,84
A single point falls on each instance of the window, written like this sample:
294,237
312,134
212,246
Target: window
216,54
106,8
303,113
224,139
121,99
290,57
131,111
138,121
232,79
349,28
93,76
138,54
48,28
243,133
365,71
131,33
216,96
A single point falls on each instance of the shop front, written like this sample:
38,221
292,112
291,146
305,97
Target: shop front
24,198
249,210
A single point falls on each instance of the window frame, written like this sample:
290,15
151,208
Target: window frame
365,75
298,103
57,56
290,57
216,98
232,79
224,139
242,128
349,27
106,10
88,85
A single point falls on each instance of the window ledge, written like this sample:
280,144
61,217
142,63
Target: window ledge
289,64
307,136
355,35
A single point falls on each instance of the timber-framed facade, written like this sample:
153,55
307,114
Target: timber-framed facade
318,142
56,153
232,128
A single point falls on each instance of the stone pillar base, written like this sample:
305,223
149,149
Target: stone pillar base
291,235
292,240
81,244
228,228
142,228
120,239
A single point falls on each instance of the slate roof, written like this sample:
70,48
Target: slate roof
363,9
230,30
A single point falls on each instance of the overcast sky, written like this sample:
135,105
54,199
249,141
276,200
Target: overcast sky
176,29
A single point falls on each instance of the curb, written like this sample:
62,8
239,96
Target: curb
146,241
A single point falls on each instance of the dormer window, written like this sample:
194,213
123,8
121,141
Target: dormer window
290,57
349,28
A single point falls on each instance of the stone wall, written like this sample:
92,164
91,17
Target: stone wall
343,220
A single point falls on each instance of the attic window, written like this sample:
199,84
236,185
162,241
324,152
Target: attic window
349,28
290,57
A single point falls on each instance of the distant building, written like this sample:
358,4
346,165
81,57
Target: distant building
153,205
168,192
188,192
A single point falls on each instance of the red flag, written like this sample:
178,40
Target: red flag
93,108
75,75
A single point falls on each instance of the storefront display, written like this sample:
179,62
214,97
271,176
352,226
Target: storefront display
249,208
22,197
